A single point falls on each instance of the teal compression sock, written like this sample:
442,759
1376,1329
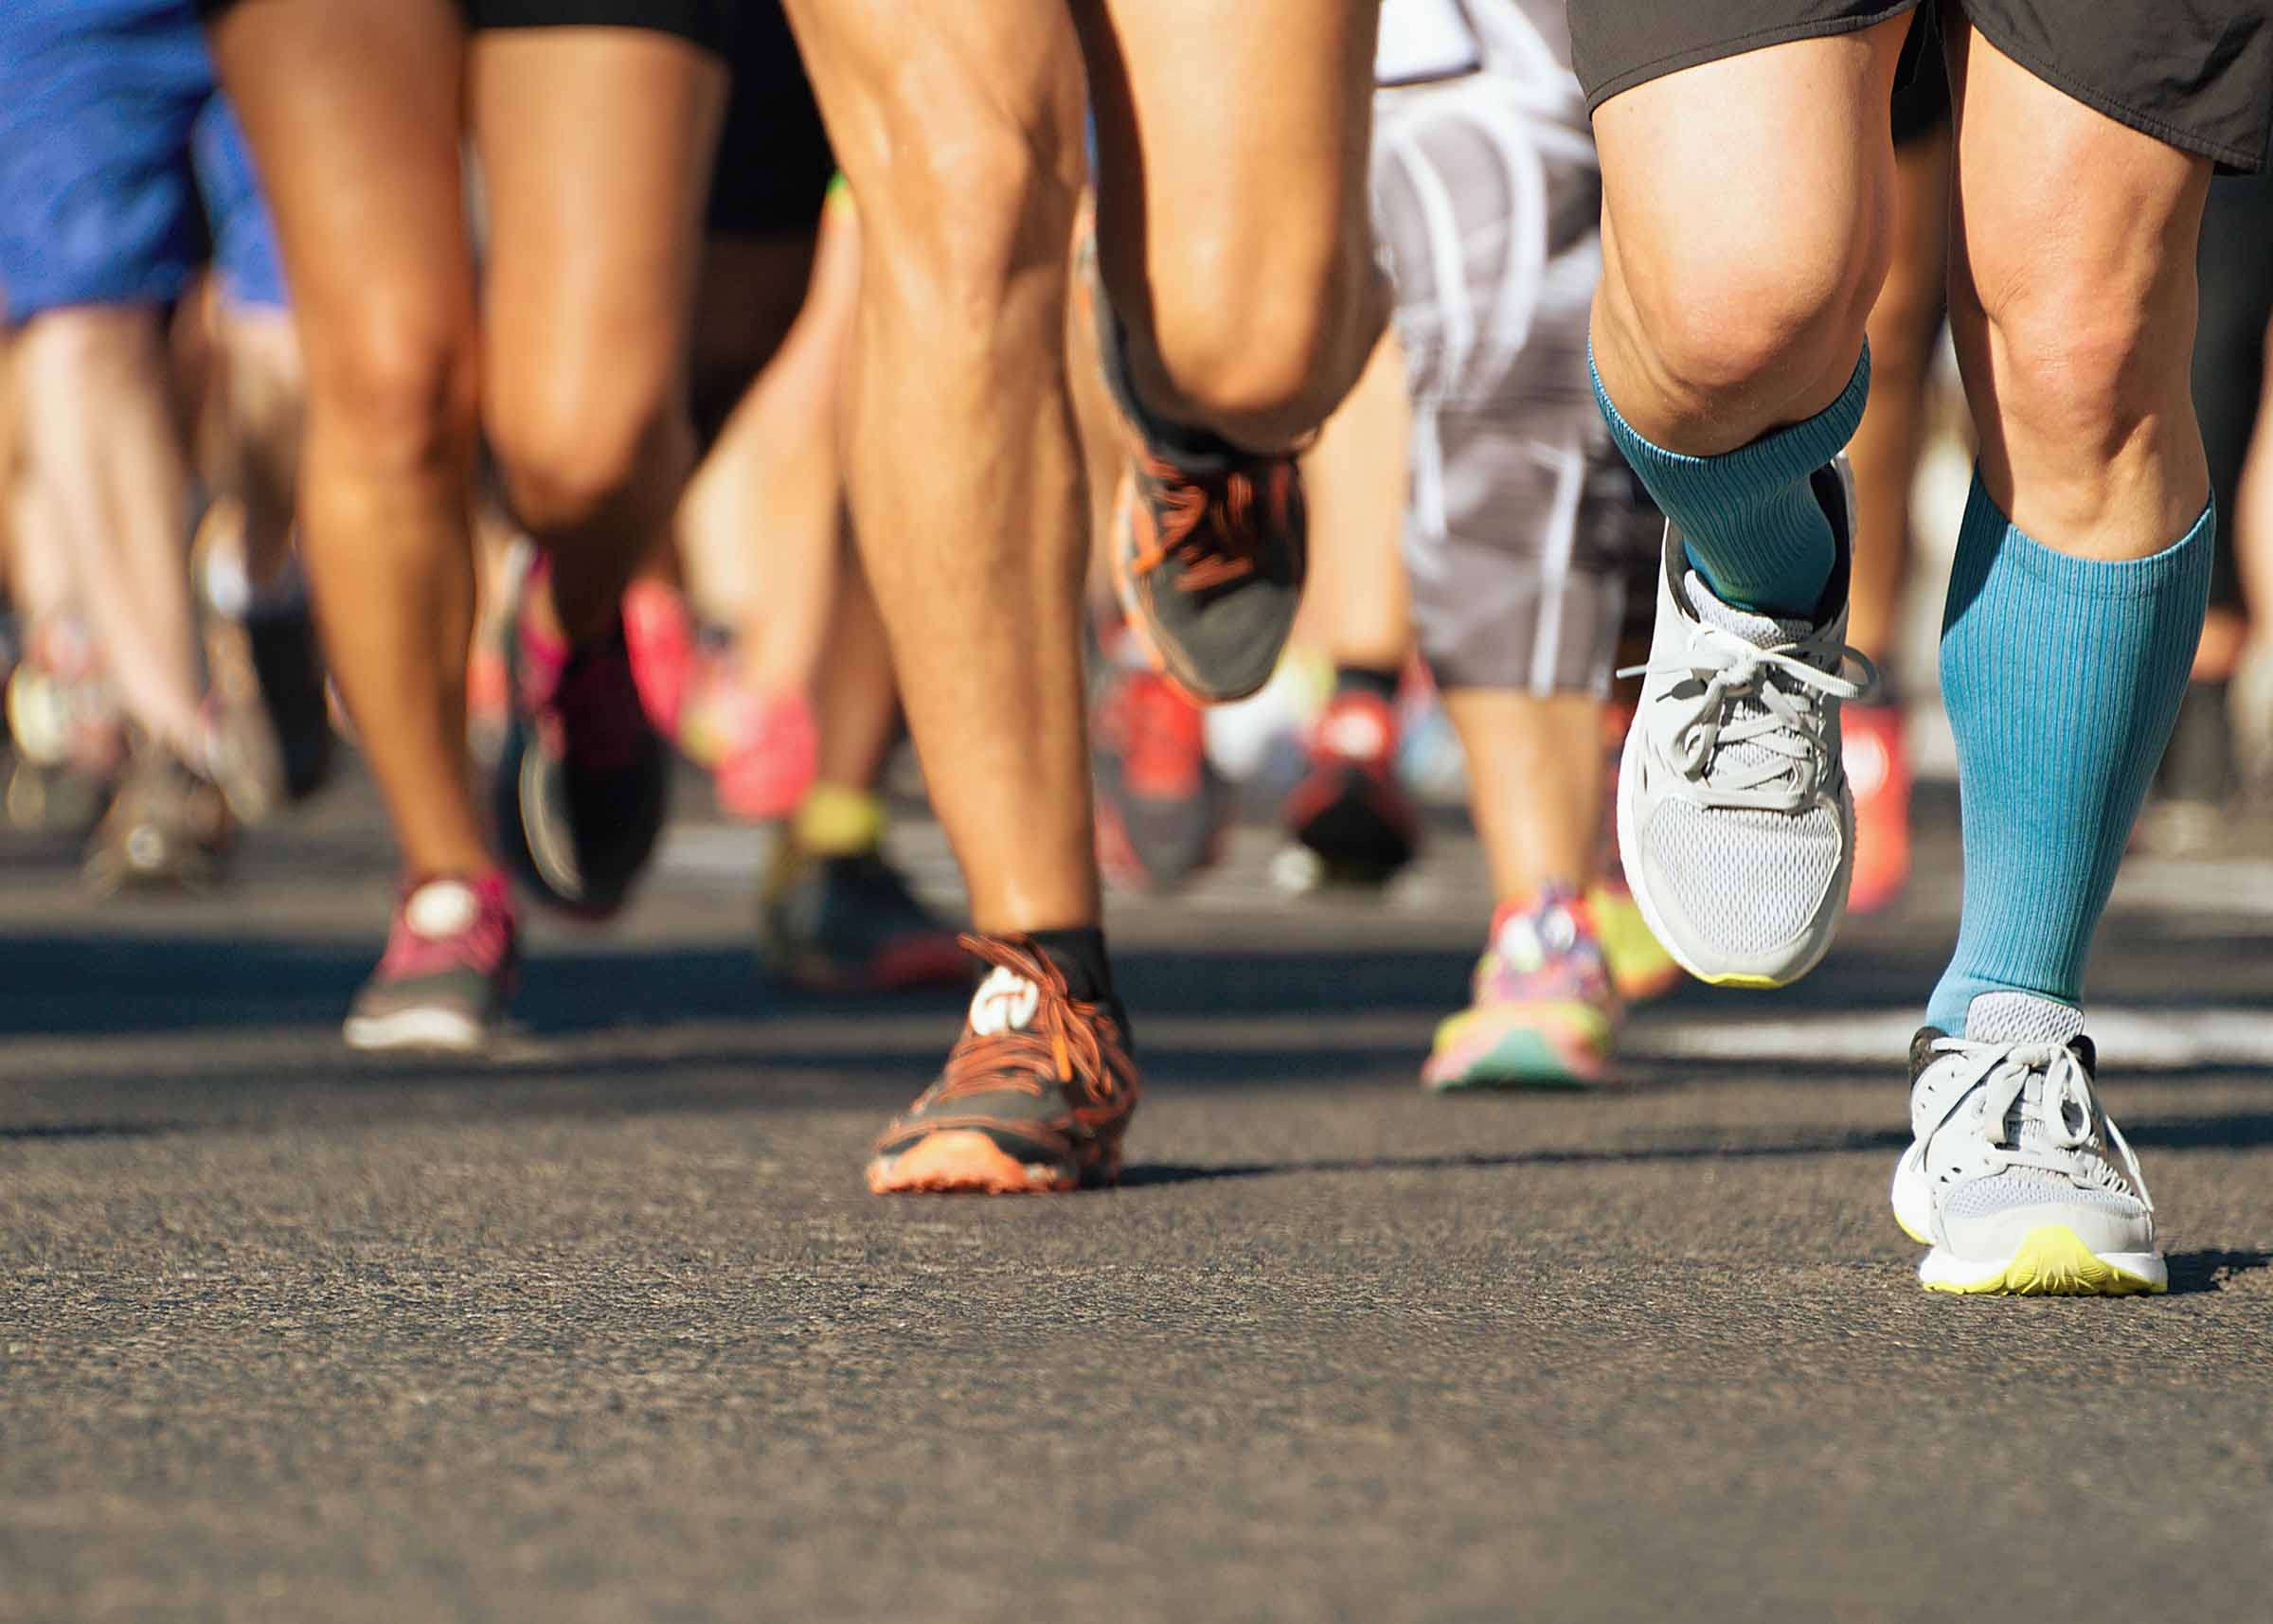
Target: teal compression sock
1750,518
2062,677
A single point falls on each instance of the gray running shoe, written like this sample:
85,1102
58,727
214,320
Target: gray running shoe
1735,823
2015,1176
168,827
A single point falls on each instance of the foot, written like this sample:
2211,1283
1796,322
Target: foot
1035,1096
168,827
582,779
851,924
1544,1014
448,970
1878,768
1350,809
1161,808
2015,1176
1735,823
767,755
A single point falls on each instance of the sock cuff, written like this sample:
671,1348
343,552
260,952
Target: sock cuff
1987,539
1779,458
836,821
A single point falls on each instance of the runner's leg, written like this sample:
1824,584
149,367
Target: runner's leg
2084,560
960,463
1233,234
353,111
596,145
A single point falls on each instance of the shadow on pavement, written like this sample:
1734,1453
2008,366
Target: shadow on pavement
2209,1269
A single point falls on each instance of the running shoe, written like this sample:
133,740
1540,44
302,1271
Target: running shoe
1544,1014
2015,1176
1878,767
768,753
448,970
1735,821
1640,969
849,923
1035,1096
582,779
1351,807
1210,548
659,633
269,694
1161,807
167,829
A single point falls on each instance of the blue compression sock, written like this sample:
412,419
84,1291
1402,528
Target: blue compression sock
1750,521
2062,677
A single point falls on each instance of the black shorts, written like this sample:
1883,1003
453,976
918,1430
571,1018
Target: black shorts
774,162
713,25
2197,74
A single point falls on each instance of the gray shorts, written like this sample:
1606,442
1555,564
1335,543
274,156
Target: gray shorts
1525,525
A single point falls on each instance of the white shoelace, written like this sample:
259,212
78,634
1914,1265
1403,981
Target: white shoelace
2065,1110
1784,776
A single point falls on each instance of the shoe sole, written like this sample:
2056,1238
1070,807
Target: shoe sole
1520,1060
431,1030
1638,887
962,1162
2051,1261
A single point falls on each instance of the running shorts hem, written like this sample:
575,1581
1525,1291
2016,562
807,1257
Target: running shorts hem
712,24
2210,93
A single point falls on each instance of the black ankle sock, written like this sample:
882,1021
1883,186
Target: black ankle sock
1363,679
1080,955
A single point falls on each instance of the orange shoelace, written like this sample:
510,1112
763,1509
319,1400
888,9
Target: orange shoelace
1069,1041
1207,521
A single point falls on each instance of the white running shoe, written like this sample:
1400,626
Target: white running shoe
2015,1176
1734,819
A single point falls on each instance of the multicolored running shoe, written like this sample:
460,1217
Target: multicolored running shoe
448,971
1035,1098
1544,1013
583,778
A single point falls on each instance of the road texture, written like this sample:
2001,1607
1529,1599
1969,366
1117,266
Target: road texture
604,1327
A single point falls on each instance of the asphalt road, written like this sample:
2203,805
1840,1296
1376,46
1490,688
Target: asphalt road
605,1329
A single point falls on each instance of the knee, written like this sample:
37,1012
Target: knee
2079,364
572,457
1732,343
988,271
90,346
398,388
1260,336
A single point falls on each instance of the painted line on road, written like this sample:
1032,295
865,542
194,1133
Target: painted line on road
2128,1038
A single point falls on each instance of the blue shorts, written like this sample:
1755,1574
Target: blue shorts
121,169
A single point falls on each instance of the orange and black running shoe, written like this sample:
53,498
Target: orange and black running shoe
1210,543
1035,1096
1209,564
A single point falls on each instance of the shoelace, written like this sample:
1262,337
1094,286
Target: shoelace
1218,554
481,946
1062,1045
2066,1110
1777,682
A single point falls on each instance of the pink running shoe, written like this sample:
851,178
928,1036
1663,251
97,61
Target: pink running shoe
448,970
